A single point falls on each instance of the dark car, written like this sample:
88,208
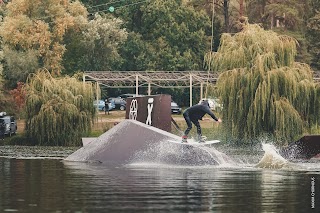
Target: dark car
124,96
122,106
9,122
175,108
119,103
127,95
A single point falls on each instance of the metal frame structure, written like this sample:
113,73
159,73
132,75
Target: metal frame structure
163,79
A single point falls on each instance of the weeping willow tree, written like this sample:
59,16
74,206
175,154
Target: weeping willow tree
59,111
263,90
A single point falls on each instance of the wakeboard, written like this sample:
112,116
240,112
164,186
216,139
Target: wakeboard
194,143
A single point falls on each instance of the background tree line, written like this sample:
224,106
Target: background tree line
138,35
65,37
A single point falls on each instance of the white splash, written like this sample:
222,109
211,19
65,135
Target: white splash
169,153
271,159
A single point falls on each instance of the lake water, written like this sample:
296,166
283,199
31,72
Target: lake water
33,183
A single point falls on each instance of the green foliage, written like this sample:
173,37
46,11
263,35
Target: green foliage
284,13
168,35
313,31
96,47
290,12
2,98
19,65
1,82
59,111
263,89
75,50
225,12
19,140
284,17
303,53
40,26
101,39
243,51
135,53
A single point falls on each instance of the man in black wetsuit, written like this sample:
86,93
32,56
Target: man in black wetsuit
106,106
194,114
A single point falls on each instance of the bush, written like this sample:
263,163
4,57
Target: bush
21,140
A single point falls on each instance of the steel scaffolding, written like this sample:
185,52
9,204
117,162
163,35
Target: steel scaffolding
163,79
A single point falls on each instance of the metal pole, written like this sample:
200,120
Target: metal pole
190,89
149,88
211,49
137,84
97,98
201,90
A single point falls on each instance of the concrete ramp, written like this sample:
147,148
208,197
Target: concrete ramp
86,141
305,148
135,142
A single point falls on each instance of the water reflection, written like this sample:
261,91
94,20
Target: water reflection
56,186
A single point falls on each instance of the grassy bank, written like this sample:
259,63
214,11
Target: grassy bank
103,122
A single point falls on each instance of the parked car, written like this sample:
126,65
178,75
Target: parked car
9,122
101,105
122,106
175,108
112,104
120,101
127,95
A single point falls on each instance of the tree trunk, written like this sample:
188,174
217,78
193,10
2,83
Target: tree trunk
226,15
241,8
